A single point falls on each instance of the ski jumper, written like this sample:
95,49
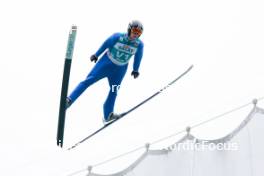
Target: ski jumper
113,65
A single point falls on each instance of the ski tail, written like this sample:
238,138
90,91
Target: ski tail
65,84
133,108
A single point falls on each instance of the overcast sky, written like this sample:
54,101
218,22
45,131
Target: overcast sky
224,40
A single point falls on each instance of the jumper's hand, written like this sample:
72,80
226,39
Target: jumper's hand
135,74
93,58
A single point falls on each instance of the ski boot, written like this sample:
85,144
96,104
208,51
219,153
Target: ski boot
110,118
68,102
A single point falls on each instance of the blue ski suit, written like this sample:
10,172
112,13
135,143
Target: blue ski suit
113,65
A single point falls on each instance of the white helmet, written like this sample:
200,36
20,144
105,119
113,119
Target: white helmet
135,25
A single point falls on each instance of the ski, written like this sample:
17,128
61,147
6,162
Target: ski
65,84
132,109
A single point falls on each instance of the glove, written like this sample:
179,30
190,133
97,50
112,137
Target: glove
135,74
93,58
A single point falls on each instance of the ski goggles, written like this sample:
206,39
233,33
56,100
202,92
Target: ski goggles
136,31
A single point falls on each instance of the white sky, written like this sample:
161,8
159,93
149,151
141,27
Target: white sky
224,40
